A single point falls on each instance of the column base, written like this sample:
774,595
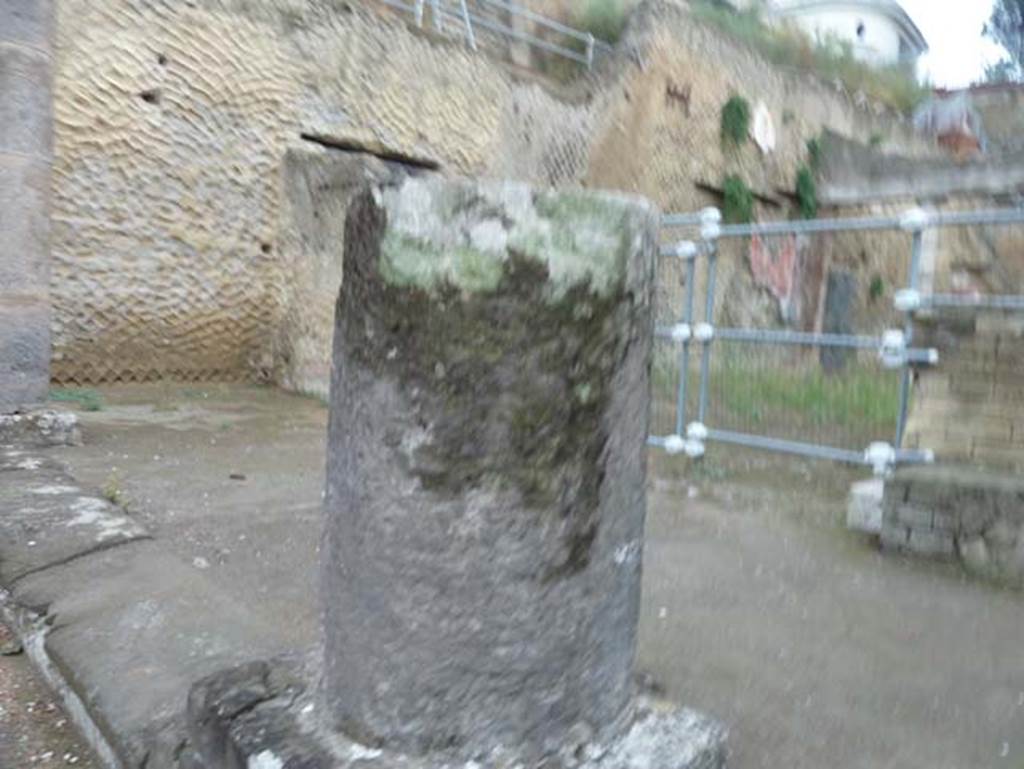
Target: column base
266,715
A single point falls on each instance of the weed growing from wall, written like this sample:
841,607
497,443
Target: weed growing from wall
807,192
735,121
737,201
604,19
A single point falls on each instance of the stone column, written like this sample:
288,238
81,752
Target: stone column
26,146
480,568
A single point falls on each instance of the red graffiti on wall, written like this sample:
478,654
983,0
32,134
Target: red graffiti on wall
776,268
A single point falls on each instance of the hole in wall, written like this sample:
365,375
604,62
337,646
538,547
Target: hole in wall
150,96
161,60
265,248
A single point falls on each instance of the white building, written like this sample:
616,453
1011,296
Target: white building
880,31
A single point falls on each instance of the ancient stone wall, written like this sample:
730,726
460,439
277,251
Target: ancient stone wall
958,512
970,408
173,120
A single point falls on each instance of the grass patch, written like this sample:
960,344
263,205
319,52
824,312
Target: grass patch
786,396
88,400
830,60
857,397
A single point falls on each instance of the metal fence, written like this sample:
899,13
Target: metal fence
712,381
501,20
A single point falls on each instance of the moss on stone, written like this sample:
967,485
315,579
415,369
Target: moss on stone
412,262
435,237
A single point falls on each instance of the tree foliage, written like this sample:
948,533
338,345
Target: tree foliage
1006,27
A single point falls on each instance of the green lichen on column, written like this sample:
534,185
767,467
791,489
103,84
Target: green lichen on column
464,237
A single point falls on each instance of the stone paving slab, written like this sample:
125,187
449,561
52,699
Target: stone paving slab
132,628
48,519
118,623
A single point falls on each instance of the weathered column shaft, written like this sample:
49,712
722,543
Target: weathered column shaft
486,466
26,146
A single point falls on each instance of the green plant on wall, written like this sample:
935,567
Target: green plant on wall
877,288
806,193
735,120
815,148
604,19
737,201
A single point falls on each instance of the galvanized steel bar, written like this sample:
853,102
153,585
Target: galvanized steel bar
908,373
766,336
470,37
684,354
788,447
976,301
680,220
709,317
853,224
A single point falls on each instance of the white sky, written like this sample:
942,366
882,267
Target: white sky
958,52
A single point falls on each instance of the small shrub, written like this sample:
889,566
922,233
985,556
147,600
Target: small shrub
876,289
876,140
112,490
738,201
604,19
807,193
815,150
735,120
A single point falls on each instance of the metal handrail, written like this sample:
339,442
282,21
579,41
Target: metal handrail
470,21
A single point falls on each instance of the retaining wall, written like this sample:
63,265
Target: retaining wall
173,120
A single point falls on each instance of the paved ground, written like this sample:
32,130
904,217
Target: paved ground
816,650
34,730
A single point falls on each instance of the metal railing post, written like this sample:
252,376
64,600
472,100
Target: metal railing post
418,12
470,37
435,6
916,220
590,51
709,317
684,354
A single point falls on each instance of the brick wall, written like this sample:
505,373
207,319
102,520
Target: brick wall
970,409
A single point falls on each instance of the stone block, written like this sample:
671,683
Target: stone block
24,351
864,506
29,22
974,555
914,517
840,308
894,537
24,224
946,520
931,543
988,456
26,125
